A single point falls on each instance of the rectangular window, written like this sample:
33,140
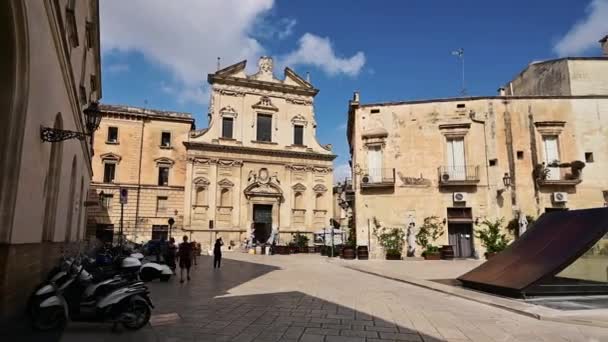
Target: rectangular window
109,172
589,157
374,163
165,139
112,134
264,127
456,164
298,135
161,205
160,232
90,34
71,25
83,95
551,156
106,201
163,175
227,125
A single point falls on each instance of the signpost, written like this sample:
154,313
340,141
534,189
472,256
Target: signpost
124,194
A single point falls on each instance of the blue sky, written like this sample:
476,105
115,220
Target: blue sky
157,53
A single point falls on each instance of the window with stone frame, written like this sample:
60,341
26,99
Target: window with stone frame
201,196
112,135
165,139
264,127
298,201
225,200
298,135
71,27
109,171
161,205
227,127
163,175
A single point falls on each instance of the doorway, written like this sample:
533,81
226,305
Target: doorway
262,222
460,236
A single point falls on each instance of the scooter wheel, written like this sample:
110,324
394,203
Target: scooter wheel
52,318
165,277
139,309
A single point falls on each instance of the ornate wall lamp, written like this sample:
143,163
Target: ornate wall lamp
506,181
92,117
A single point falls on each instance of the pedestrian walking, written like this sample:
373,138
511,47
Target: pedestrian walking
171,254
195,252
217,253
185,258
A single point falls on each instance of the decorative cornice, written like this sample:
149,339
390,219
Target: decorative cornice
258,151
265,104
164,161
228,111
225,183
111,156
252,83
201,181
319,188
461,125
297,101
299,119
299,187
550,123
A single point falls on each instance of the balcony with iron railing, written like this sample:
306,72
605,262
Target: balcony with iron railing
378,178
453,175
564,174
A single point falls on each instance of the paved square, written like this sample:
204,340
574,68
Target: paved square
305,298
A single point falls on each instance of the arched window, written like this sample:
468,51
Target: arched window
298,202
319,201
225,197
51,189
70,204
201,196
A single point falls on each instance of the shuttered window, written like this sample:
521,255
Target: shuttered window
227,125
264,127
298,135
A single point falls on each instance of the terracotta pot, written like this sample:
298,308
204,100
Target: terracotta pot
490,255
362,253
393,256
348,253
432,256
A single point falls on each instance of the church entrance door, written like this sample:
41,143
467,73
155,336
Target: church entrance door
262,220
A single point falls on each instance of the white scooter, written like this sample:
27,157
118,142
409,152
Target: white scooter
149,270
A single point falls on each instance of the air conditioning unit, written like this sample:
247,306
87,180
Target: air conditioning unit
460,197
365,179
560,197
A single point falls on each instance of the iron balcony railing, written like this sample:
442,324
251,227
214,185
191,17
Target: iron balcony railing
378,177
458,174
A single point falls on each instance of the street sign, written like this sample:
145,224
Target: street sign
124,193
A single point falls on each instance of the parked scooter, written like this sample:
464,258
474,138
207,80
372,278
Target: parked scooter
151,270
128,304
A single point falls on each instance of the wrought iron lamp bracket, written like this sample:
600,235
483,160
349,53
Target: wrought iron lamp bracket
56,135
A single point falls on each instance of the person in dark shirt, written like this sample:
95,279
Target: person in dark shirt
185,258
170,254
217,253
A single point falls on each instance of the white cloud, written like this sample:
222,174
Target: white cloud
117,68
185,37
318,51
585,34
278,29
341,172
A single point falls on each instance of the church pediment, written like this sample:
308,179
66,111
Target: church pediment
319,188
225,183
265,103
110,157
263,189
292,76
164,161
232,69
299,187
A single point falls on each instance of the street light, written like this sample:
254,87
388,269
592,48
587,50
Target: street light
171,221
92,117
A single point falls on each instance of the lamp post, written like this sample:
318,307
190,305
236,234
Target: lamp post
92,117
506,180
171,221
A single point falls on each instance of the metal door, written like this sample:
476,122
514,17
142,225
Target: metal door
262,220
460,236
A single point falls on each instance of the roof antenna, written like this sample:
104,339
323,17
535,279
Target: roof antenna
308,77
460,54
218,63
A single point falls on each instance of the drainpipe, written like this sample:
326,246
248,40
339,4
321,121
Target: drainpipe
485,143
141,148
509,143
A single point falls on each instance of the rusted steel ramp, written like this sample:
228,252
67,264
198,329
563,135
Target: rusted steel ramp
531,265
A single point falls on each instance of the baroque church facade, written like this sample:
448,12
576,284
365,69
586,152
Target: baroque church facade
258,166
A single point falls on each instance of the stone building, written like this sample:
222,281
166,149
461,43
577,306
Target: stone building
140,150
258,162
467,159
49,73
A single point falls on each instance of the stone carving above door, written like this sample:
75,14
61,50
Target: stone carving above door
262,183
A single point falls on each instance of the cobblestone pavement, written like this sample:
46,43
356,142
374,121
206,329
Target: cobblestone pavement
305,298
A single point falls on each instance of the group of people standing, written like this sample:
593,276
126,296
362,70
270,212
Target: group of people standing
187,252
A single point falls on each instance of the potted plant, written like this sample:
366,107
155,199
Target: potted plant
392,241
349,250
429,232
301,242
492,237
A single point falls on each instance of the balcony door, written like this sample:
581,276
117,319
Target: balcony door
551,155
456,165
374,163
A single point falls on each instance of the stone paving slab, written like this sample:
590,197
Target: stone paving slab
597,317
